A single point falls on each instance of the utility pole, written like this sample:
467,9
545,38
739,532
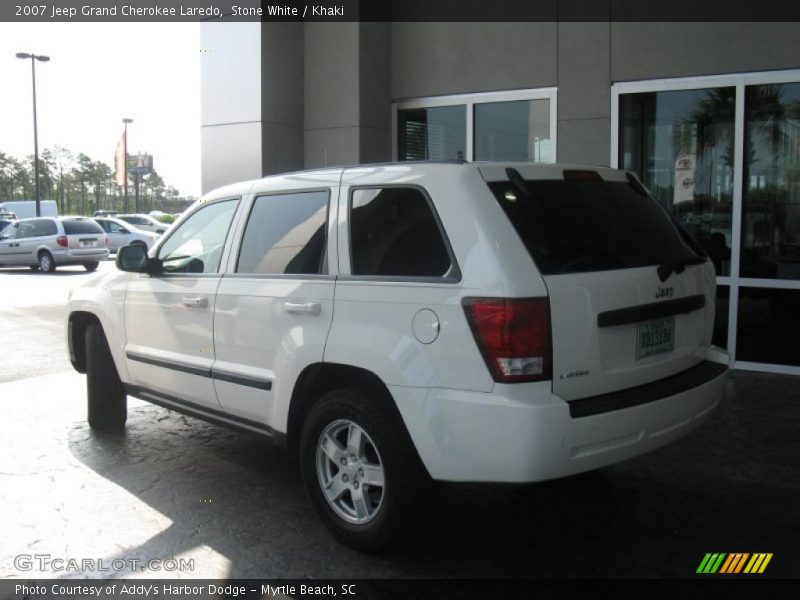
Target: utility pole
125,154
34,58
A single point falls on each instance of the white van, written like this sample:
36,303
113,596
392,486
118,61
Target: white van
26,209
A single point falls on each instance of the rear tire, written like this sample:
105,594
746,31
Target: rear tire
374,517
46,262
107,400
91,266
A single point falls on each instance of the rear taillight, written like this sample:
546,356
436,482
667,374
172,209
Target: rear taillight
513,336
62,241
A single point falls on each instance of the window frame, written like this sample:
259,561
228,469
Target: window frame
246,220
454,278
156,250
469,101
734,281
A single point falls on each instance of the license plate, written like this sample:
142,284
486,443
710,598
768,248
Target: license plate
87,243
655,337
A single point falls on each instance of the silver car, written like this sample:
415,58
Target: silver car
47,242
122,234
145,222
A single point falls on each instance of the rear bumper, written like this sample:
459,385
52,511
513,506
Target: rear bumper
72,257
471,436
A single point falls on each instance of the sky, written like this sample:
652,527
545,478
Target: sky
99,73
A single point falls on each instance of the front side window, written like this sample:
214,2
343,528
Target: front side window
25,230
394,233
285,234
196,246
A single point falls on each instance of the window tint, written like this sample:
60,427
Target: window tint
438,133
79,227
42,227
581,226
112,227
285,234
518,130
25,229
393,232
196,246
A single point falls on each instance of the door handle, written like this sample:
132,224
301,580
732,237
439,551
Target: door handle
195,302
303,308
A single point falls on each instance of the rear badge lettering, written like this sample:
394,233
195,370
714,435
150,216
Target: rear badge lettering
572,374
665,292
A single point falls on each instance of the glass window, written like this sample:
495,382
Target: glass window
438,133
768,326
44,227
586,225
680,143
79,227
196,245
25,229
285,234
513,131
721,314
112,226
771,180
393,232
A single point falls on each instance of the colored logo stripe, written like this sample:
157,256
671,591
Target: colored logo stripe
723,563
711,562
758,563
735,562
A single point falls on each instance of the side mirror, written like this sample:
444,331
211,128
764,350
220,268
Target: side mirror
134,260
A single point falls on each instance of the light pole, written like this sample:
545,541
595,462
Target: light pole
125,158
34,58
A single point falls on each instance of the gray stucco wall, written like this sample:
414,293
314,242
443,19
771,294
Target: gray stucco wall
323,91
230,103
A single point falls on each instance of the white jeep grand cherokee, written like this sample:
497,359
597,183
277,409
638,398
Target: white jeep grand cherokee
393,324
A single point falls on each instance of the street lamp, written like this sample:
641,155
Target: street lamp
125,158
34,58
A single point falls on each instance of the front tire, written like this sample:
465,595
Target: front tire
361,470
91,266
107,400
46,262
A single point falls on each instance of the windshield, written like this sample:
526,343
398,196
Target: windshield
578,226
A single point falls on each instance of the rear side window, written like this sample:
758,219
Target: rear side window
394,232
285,234
81,227
43,227
578,226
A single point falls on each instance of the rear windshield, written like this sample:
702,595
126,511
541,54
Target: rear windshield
78,227
579,226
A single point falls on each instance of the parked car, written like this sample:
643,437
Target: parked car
121,234
105,213
145,222
49,242
400,323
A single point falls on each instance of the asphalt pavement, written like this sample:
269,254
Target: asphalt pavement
172,487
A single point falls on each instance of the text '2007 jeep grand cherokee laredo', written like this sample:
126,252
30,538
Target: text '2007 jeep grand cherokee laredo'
396,323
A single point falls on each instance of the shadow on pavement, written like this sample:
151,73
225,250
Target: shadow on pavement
655,516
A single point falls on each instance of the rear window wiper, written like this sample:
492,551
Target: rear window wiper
677,265
518,182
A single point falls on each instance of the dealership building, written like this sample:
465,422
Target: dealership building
707,114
